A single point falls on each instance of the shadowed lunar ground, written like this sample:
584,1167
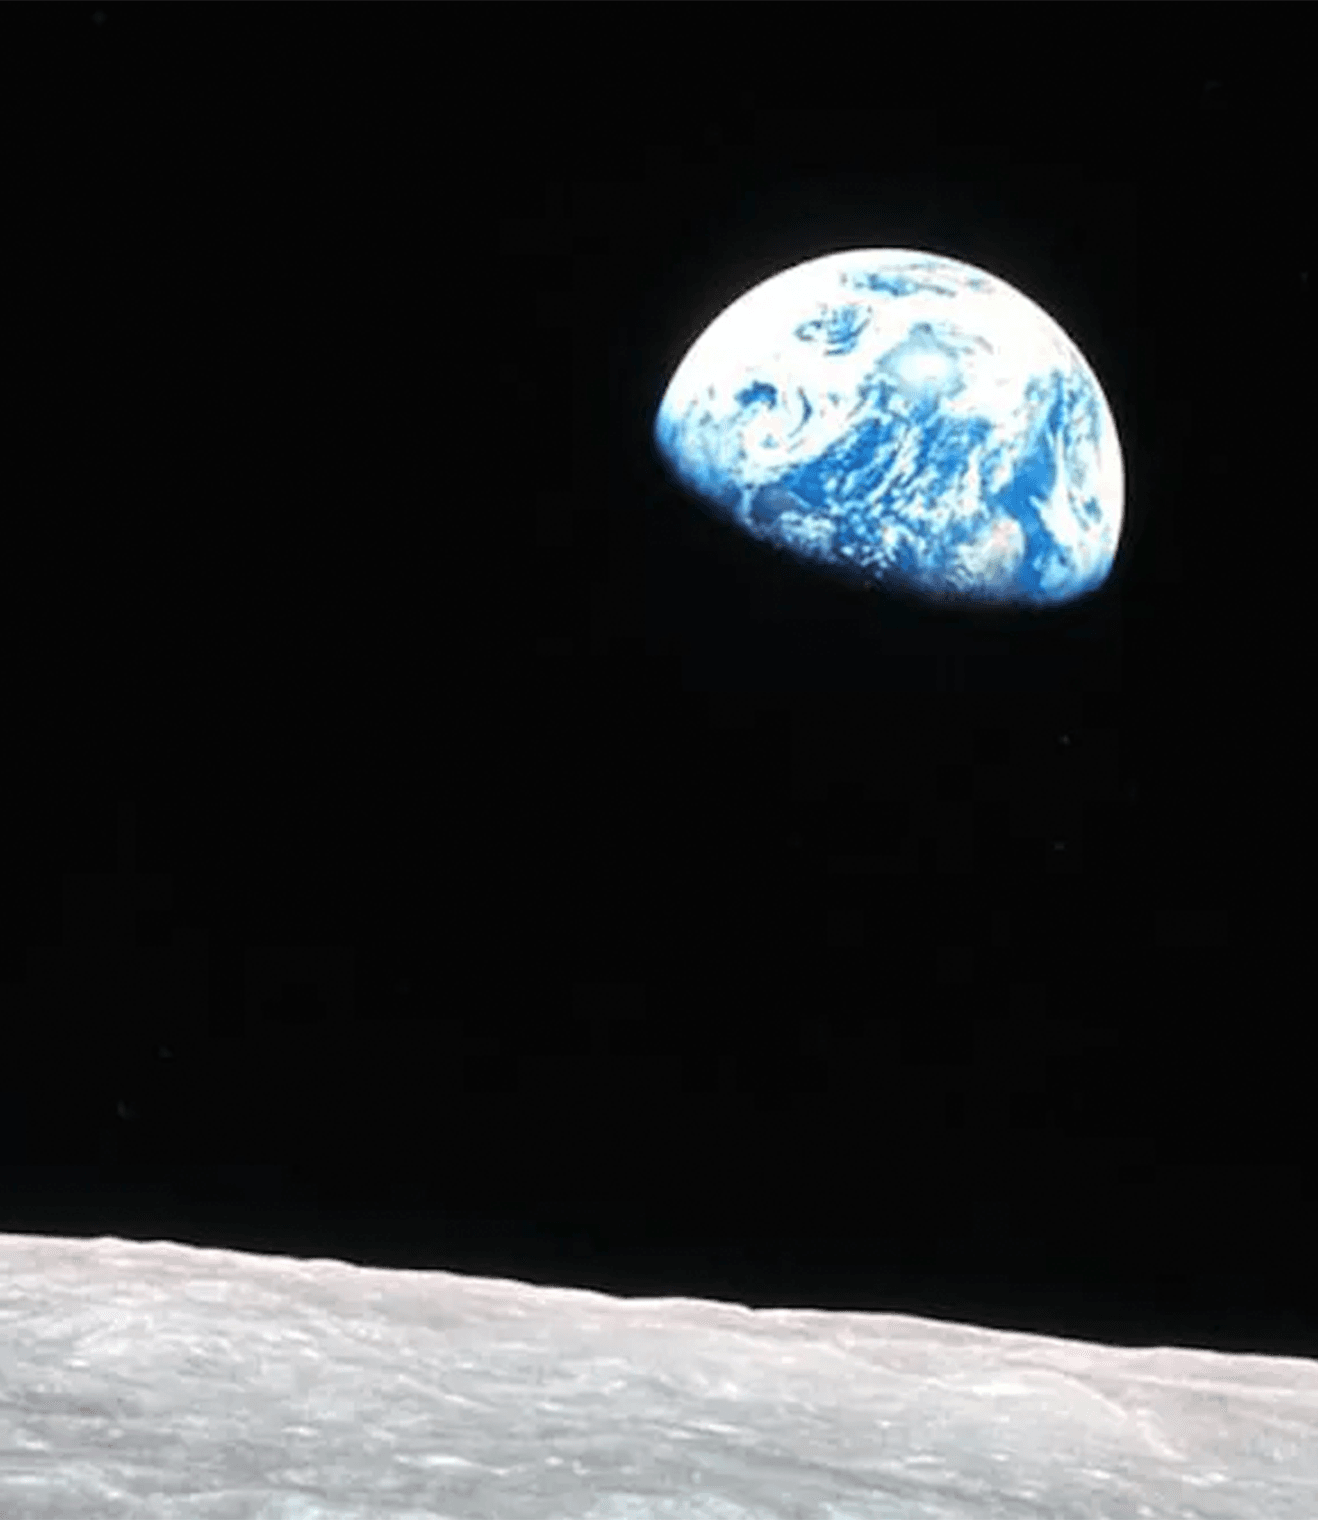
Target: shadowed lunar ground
162,1380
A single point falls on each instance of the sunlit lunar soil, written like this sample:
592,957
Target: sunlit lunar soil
161,1380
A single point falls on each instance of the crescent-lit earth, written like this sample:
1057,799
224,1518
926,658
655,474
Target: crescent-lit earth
905,420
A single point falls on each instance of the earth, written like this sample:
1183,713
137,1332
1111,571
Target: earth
905,420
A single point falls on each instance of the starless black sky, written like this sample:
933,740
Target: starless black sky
681,890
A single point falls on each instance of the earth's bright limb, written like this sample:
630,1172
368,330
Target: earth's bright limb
908,419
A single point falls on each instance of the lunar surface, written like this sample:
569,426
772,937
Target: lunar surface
903,419
160,1380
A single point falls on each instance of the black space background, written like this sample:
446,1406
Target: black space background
547,882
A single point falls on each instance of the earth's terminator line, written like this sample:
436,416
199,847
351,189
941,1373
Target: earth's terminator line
907,420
